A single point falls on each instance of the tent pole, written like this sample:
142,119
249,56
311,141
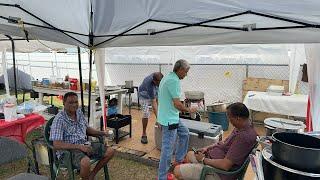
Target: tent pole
14,66
90,74
80,75
90,59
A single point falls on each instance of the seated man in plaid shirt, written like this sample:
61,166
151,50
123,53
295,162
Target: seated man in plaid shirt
69,130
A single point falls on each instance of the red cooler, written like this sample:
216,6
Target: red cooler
73,84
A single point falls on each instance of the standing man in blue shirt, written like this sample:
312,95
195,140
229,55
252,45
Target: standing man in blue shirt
168,118
148,92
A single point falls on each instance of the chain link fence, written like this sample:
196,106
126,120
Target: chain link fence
219,82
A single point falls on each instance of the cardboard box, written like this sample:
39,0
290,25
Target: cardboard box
276,82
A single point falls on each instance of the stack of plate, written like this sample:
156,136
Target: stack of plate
275,90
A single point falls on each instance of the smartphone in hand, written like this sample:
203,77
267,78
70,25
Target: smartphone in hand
194,150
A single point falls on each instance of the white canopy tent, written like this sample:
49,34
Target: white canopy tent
114,23
23,46
166,22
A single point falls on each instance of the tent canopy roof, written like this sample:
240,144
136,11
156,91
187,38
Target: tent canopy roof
144,23
24,46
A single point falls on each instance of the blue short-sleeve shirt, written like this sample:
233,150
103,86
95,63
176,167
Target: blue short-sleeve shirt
147,89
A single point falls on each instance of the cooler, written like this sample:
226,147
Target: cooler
73,84
201,133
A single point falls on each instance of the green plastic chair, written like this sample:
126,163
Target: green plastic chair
56,164
240,172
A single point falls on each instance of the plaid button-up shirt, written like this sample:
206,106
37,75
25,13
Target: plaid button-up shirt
65,129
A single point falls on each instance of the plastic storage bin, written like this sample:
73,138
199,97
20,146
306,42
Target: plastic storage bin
219,118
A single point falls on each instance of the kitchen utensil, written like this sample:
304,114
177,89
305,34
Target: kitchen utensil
129,84
218,107
297,151
194,95
273,125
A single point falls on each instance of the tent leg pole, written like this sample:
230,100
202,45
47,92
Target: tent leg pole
14,66
80,75
90,72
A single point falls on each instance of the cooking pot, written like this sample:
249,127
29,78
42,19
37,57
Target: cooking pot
128,84
297,151
34,82
194,95
273,170
273,125
314,134
217,107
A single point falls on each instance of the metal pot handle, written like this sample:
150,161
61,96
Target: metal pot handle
264,143
269,127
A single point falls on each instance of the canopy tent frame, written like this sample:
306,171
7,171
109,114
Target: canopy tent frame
14,39
185,25
91,41
14,65
38,18
80,74
295,23
14,68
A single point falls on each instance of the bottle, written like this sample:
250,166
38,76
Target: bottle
66,78
110,135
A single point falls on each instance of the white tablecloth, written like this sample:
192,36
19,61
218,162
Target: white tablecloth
294,105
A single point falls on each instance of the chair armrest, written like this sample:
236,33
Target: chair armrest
50,146
210,170
101,138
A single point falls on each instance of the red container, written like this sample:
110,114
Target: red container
73,84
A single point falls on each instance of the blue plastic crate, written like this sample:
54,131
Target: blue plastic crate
219,118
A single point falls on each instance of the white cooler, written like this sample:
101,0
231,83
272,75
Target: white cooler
201,134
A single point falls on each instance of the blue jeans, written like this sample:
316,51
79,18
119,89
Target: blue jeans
169,139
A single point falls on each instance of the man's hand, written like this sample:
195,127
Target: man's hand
199,156
193,110
105,133
158,125
86,149
203,150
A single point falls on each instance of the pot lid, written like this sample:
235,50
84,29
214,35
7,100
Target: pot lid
284,123
218,103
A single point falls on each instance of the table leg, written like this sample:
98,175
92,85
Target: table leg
129,103
138,98
130,132
120,103
92,113
40,98
117,136
36,166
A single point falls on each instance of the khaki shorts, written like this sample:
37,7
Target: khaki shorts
192,171
98,150
146,106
